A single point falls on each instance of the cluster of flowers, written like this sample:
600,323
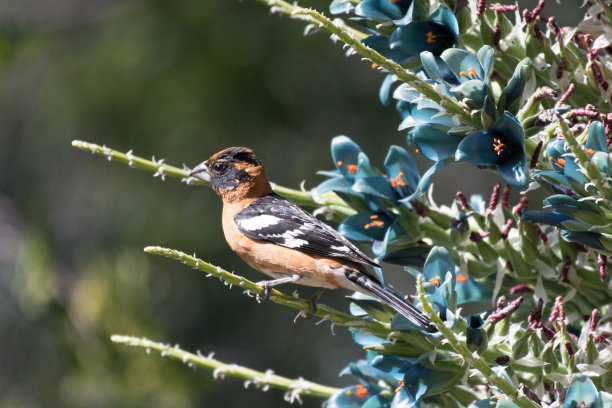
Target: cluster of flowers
408,371
532,138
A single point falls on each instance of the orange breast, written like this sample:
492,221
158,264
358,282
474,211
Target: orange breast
277,261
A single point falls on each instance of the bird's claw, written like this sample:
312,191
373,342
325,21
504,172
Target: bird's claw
266,294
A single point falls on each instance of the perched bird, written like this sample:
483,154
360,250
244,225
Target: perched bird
278,238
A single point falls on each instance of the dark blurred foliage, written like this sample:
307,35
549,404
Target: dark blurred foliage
178,80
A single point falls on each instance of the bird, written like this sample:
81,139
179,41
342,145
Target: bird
278,238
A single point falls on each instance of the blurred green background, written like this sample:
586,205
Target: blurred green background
180,81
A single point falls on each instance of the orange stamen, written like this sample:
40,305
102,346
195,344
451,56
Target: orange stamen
374,65
431,37
374,223
352,168
472,72
435,281
373,217
339,163
361,391
589,151
400,385
498,146
560,162
461,278
398,181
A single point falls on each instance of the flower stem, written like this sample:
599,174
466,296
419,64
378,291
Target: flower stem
295,387
162,170
474,360
323,311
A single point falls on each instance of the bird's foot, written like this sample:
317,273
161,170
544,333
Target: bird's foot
269,284
313,300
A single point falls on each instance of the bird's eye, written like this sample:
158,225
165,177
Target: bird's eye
218,167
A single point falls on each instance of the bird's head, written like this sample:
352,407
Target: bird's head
234,173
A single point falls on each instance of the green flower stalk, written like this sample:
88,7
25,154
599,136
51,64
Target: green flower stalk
295,388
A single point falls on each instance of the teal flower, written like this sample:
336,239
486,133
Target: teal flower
384,9
439,32
501,146
471,72
582,393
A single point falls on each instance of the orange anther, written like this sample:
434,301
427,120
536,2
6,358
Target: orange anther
461,278
435,281
361,391
352,168
498,146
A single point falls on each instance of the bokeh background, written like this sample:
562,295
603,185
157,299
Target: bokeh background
180,81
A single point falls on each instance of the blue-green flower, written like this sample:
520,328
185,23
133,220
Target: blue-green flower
383,9
471,72
439,32
582,393
501,146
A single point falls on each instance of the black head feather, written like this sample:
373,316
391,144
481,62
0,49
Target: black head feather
228,168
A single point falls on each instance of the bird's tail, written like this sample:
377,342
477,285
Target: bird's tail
397,302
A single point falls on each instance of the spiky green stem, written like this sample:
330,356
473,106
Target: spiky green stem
295,387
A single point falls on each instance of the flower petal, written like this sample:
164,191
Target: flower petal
511,128
485,56
474,89
515,171
365,226
385,89
400,165
420,36
435,144
443,15
596,140
511,95
463,64
345,153
581,392
477,148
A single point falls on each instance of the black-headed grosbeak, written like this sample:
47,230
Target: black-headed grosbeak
278,238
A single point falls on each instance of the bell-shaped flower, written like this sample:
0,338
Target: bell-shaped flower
386,10
436,34
502,146
583,393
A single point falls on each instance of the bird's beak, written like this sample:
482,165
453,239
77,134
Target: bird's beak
201,172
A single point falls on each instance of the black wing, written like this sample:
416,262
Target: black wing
274,219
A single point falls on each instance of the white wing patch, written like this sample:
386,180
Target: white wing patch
342,248
295,242
258,222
